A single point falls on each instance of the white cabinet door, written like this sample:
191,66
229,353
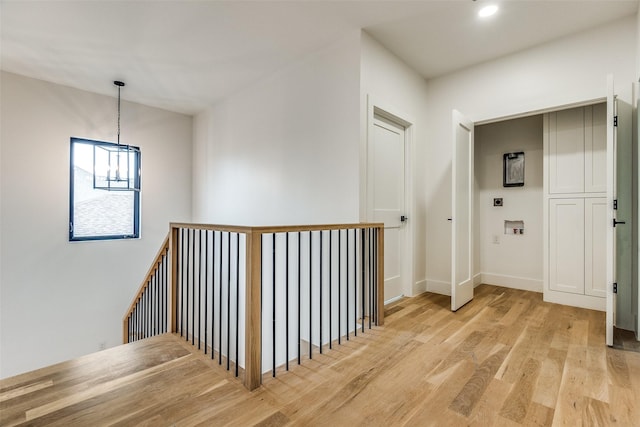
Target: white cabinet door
566,151
595,149
595,246
566,245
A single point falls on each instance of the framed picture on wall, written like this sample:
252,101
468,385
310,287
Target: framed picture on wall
513,169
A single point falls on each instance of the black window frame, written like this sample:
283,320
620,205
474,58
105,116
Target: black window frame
136,194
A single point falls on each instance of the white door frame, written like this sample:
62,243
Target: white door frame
636,130
376,107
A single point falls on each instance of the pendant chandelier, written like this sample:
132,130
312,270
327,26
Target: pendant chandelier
116,166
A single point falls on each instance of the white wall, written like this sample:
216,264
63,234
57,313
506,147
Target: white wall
389,81
566,71
60,300
284,150
516,260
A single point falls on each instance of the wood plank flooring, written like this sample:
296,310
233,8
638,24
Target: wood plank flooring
505,359
625,340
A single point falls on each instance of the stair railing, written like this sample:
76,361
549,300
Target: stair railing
257,299
148,313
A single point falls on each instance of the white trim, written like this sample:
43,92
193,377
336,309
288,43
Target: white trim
575,300
477,280
419,287
394,299
377,107
513,282
545,206
636,132
541,111
439,287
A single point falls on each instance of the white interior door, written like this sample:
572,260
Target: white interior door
387,151
462,212
611,213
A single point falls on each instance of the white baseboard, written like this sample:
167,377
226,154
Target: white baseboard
575,300
522,283
438,287
514,282
394,299
477,280
419,287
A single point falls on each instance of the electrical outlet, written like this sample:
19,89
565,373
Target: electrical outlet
496,239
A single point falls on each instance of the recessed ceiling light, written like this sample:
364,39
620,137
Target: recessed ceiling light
488,11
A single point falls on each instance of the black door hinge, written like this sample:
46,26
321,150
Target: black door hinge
615,288
615,121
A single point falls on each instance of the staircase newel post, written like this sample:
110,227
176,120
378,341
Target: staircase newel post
253,314
125,330
173,262
380,278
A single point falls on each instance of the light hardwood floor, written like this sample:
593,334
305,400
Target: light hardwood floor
505,359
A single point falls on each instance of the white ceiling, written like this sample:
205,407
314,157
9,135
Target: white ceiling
186,55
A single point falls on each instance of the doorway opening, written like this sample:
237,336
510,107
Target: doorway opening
508,224
566,230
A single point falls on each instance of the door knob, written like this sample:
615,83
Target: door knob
618,222
404,218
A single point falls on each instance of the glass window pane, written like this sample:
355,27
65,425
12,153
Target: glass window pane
98,213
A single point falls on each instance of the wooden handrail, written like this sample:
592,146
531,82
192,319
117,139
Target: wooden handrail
265,229
145,283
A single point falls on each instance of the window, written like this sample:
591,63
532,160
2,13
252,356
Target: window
100,206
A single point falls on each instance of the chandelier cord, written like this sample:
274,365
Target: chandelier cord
118,115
